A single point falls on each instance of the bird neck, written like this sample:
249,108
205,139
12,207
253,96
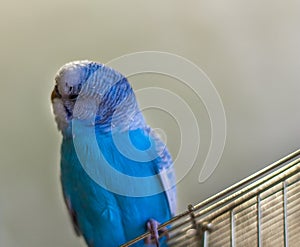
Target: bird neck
119,123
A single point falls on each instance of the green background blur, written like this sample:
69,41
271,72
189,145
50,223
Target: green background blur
249,49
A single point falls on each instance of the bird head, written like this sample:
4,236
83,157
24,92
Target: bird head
92,92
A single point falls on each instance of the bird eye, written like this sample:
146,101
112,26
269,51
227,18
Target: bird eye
73,96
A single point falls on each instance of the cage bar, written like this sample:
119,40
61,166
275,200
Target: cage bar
262,210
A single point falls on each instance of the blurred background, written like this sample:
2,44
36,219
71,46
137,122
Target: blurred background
249,49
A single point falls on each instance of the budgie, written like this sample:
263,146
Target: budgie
117,175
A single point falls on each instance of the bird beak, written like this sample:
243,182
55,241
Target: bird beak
55,94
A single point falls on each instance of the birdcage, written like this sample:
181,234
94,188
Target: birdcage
261,210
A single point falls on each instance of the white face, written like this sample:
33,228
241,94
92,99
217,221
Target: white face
68,85
70,78
68,81
104,95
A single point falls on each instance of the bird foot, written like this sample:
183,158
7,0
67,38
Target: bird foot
152,226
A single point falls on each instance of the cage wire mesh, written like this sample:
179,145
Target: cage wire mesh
261,210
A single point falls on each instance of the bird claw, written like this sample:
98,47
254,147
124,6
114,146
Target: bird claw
152,226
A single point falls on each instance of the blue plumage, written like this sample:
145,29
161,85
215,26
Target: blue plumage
96,110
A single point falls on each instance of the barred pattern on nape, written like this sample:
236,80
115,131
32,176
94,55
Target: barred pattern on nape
100,81
110,94
119,110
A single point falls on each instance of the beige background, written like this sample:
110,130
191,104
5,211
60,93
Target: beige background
249,49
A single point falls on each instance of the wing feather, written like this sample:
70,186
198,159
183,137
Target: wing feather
166,171
72,214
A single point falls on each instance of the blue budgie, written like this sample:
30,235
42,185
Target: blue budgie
117,175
